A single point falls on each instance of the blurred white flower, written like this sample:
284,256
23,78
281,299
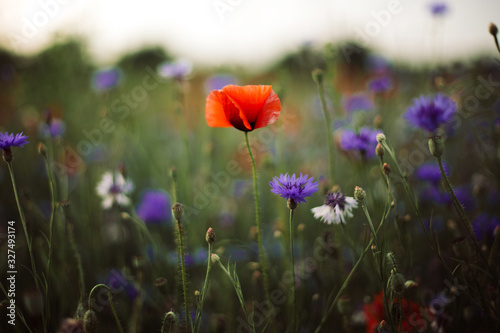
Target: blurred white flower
114,188
336,208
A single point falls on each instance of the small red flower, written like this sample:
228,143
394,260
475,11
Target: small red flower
245,108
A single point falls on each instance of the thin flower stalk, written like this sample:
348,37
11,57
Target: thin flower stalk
111,304
351,274
257,219
328,124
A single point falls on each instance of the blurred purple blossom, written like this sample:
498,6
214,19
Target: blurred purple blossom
117,281
380,84
363,142
56,128
106,79
484,225
154,207
430,172
429,113
218,82
439,8
358,102
178,70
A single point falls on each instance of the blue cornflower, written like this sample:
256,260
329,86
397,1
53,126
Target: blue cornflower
380,84
154,207
218,82
175,70
439,8
430,172
429,113
364,142
106,79
358,102
55,129
10,140
294,188
484,225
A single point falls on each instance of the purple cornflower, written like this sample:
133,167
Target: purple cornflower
358,102
218,82
336,208
154,207
117,281
55,129
439,8
430,172
175,70
429,113
364,142
380,84
10,140
106,79
293,188
484,225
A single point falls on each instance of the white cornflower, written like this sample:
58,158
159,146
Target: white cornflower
336,208
114,188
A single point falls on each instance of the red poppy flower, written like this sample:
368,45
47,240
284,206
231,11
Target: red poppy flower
413,315
245,108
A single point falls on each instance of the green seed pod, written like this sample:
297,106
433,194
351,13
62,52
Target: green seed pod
436,146
90,322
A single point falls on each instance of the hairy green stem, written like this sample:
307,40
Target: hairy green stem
183,272
110,300
348,279
257,219
197,321
294,318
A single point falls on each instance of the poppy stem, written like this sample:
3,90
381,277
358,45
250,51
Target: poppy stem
257,218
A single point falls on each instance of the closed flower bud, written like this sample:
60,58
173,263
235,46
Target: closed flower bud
210,236
436,146
377,121
177,210
42,150
173,173
162,284
379,150
169,323
387,168
461,248
197,295
359,193
380,137
383,327
90,322
493,29
396,282
318,75
215,258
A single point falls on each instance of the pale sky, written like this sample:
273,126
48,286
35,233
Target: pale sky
250,32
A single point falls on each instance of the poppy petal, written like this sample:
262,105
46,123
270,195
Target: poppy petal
249,99
214,110
270,111
220,111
